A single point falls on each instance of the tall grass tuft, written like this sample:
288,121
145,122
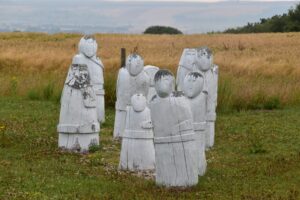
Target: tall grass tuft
48,91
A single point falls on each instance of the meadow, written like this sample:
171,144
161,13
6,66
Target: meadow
257,71
257,151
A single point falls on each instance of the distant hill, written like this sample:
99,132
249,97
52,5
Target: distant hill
289,22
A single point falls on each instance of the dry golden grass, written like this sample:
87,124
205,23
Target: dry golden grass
256,70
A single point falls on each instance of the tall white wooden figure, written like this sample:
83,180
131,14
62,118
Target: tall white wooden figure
78,126
88,49
137,152
176,150
123,98
151,71
204,62
197,98
186,65
131,80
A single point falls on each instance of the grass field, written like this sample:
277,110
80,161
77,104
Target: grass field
257,71
257,150
256,156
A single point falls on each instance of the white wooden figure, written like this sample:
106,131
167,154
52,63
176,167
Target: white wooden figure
204,62
137,152
88,48
78,126
151,70
131,80
176,150
197,98
186,65
123,98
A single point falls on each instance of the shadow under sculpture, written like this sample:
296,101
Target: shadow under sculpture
197,98
131,80
176,150
78,126
137,152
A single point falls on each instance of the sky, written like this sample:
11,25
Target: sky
134,16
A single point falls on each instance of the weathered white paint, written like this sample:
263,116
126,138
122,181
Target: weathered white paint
88,49
78,122
204,63
197,98
176,150
137,152
186,65
151,70
131,80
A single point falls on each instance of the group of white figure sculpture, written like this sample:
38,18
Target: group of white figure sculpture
161,128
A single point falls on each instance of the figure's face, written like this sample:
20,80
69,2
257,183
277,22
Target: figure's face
134,64
192,86
138,102
189,58
204,60
88,47
164,86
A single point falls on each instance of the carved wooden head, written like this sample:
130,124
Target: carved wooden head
164,83
138,102
88,46
193,84
204,58
134,64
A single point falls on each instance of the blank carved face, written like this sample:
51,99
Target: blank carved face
134,64
88,46
193,84
204,58
164,83
138,102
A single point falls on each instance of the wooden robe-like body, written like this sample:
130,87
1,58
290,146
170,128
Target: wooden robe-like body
128,84
78,126
88,50
211,85
176,151
137,152
198,107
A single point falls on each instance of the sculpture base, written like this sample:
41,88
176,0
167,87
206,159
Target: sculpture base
77,142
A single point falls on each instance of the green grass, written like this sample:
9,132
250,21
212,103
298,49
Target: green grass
256,156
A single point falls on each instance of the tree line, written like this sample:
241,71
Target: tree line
288,22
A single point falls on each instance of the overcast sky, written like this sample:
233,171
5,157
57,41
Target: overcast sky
192,16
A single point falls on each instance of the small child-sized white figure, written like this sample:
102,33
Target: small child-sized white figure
151,71
193,90
131,80
186,65
137,152
176,150
204,62
78,126
88,49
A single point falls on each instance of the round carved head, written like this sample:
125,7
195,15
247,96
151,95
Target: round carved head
138,102
164,83
88,46
134,64
193,84
204,59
